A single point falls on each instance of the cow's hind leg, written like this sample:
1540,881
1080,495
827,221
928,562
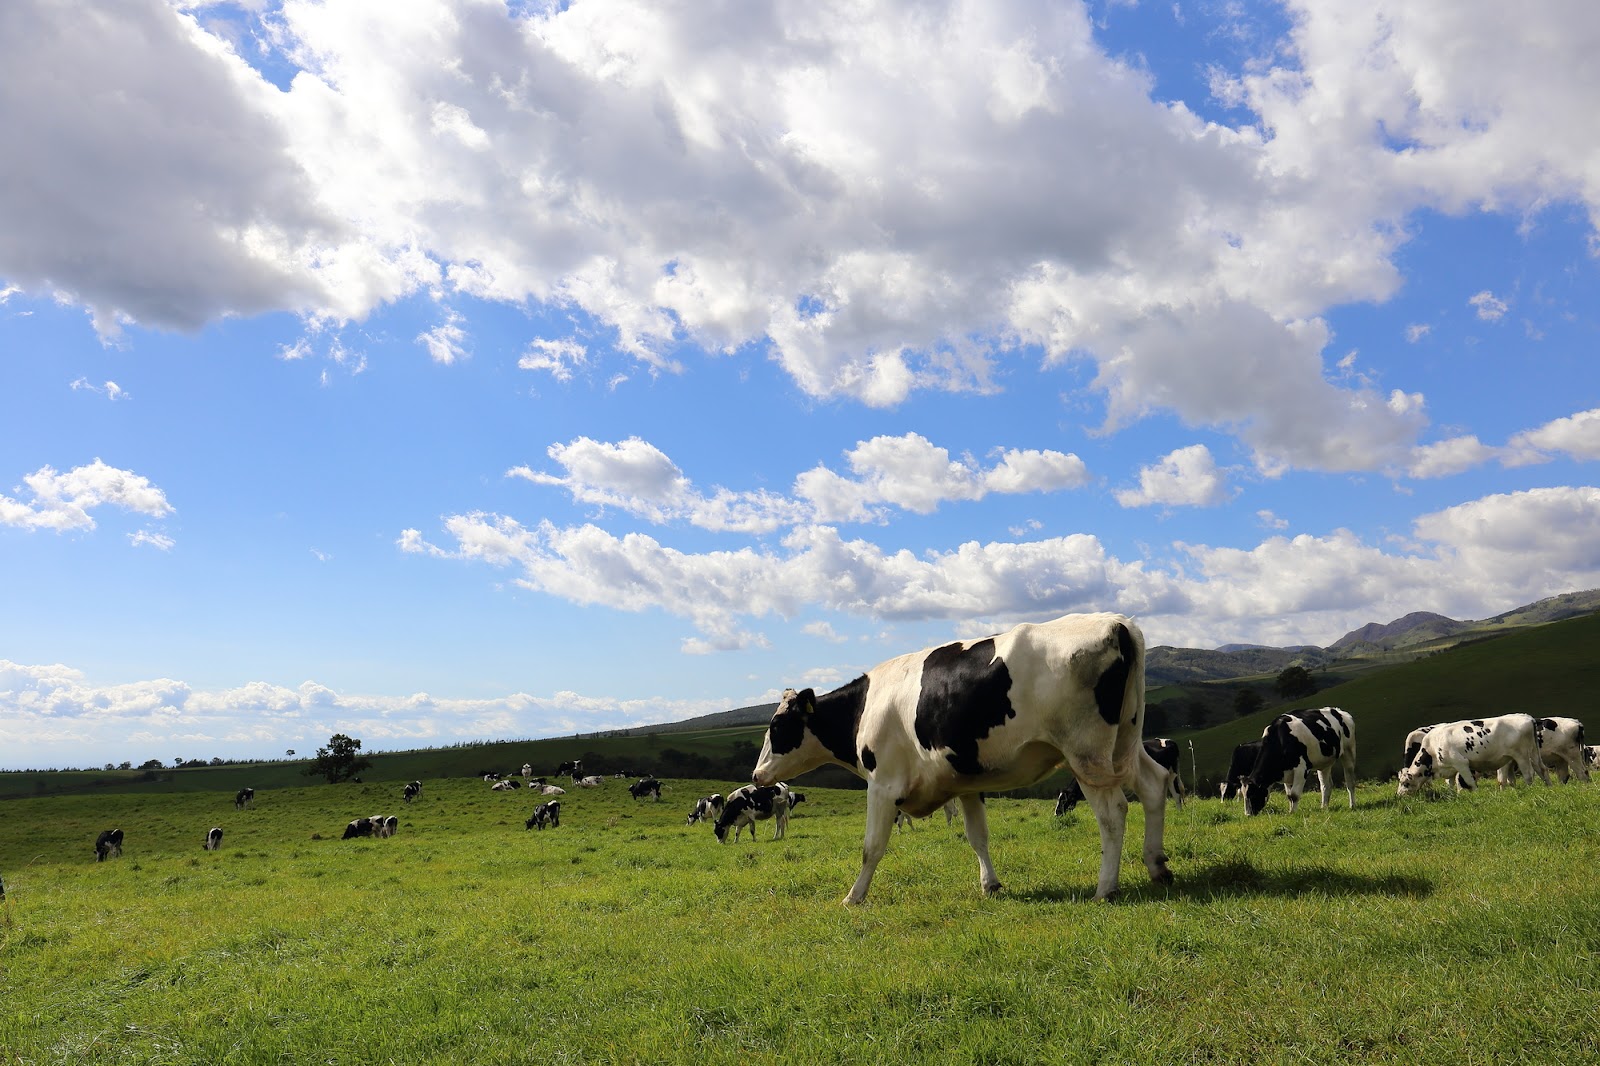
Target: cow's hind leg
1151,788
975,819
1110,808
880,824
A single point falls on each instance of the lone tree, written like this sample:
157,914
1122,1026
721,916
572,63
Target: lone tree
1294,682
339,761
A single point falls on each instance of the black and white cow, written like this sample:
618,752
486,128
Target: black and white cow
1163,751
796,798
1239,767
245,797
648,787
572,769
1465,749
1591,757
527,769
987,715
592,781
1297,742
552,790
750,804
412,790
1560,748
507,785
108,845
358,827
706,807
545,814
384,825
213,839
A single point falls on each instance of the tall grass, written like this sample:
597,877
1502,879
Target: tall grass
1441,928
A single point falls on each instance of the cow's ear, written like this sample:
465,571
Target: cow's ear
808,701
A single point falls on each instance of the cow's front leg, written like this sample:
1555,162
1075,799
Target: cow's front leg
1325,780
1110,808
1294,783
880,824
1466,781
975,817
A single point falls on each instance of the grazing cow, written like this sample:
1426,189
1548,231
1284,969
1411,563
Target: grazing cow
1164,752
648,787
572,769
1561,749
706,807
987,715
592,781
384,825
1591,757
245,797
1297,742
545,814
411,791
358,827
213,839
750,804
1464,749
108,845
1239,767
552,790
795,799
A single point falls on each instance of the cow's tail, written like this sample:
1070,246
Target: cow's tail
1129,744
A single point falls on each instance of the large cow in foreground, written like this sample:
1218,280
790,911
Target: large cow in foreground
1297,742
1465,749
987,716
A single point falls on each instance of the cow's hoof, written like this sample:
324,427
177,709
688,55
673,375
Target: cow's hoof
1108,897
993,890
1162,876
854,901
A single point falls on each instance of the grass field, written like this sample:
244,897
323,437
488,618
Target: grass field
1447,928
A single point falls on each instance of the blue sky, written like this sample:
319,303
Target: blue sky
435,370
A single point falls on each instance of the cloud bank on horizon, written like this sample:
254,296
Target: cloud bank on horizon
765,340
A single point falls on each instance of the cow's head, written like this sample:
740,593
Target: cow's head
1280,750
791,747
1416,773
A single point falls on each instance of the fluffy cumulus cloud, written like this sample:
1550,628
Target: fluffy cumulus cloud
54,708
62,501
908,473
889,197
1187,477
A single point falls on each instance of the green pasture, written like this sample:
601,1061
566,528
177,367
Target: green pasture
1435,929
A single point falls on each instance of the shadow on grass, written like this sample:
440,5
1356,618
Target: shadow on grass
1238,878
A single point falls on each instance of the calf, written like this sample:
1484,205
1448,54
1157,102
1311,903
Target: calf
108,845
213,839
411,791
706,807
358,827
750,804
1244,758
1464,749
245,797
545,814
987,715
1165,754
1297,742
648,787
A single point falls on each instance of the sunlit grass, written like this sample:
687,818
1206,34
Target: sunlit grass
1433,928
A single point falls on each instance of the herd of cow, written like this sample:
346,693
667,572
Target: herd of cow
940,728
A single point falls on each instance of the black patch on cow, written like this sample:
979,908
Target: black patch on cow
1109,690
1240,765
869,761
1327,728
838,717
1164,752
964,697
1548,724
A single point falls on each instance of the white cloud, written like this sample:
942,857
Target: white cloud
1577,436
559,357
1448,457
63,501
159,541
1187,477
446,342
110,390
1268,520
1417,332
1488,306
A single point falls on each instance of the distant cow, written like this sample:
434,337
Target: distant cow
384,825
648,787
245,797
411,791
213,839
1165,754
751,804
706,807
507,785
987,715
545,814
572,769
358,827
1297,742
1591,757
795,799
1239,767
552,790
527,769
108,845
592,781
1465,749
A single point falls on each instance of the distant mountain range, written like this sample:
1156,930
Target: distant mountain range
1416,634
